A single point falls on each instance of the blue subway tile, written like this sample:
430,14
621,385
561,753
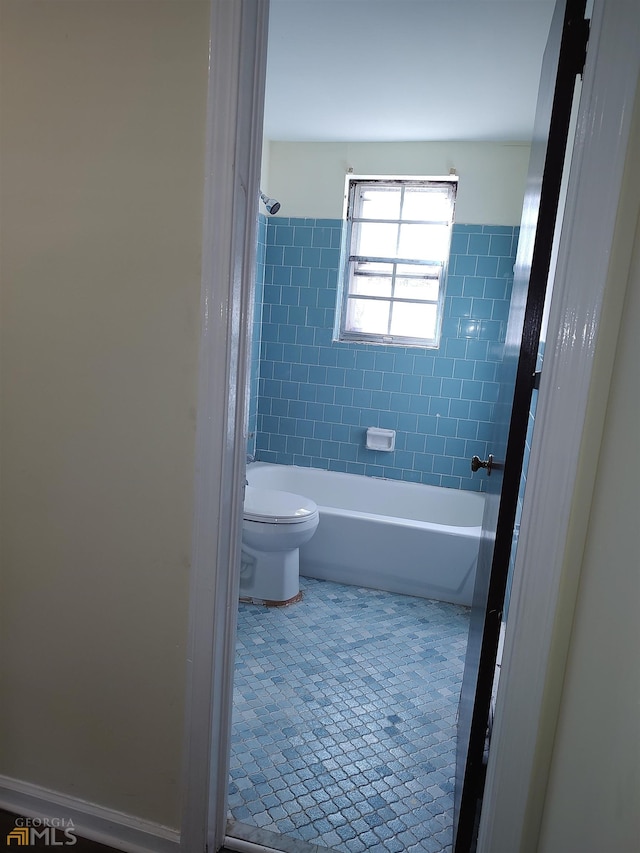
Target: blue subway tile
274,256
500,309
455,348
372,380
505,268
292,256
451,388
328,356
391,382
344,396
322,338
471,389
500,245
477,350
465,265
332,413
311,257
381,400
439,406
463,369
467,428
479,244
449,327
473,286
480,410
326,299
459,408
346,357
487,266
304,335
459,242
491,330
469,329
482,309
296,409
383,361
442,465
300,276
448,426
424,365
330,258
400,402
302,236
321,237
454,446
443,367
336,376
495,288
460,306
484,371
272,294
287,334
312,446
325,394
454,285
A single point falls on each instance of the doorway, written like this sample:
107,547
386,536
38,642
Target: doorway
216,799
481,252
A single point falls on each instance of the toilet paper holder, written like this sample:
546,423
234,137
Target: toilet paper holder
380,439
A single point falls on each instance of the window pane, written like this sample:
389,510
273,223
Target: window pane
379,203
417,288
423,242
370,285
426,203
420,270
376,239
367,315
414,320
377,267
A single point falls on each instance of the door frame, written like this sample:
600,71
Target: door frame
522,736
235,108
554,524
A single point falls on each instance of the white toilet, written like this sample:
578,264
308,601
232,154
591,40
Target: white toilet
275,525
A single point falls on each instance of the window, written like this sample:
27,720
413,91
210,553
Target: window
395,252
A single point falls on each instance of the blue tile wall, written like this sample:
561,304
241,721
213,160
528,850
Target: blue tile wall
317,397
256,334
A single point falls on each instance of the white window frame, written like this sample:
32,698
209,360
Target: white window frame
351,257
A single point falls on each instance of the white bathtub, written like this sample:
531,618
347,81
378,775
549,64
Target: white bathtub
385,534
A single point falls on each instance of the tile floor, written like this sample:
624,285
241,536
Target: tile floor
344,719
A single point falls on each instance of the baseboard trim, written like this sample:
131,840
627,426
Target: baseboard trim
106,826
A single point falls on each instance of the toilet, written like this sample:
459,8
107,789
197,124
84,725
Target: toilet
275,525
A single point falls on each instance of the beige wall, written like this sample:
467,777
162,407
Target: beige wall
102,152
308,177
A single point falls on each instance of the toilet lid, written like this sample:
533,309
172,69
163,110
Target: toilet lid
276,507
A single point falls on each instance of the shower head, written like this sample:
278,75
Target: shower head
271,204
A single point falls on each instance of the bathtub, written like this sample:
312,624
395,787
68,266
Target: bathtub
385,534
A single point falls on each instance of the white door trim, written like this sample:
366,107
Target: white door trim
237,73
545,585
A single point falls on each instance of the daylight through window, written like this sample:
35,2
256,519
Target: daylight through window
396,248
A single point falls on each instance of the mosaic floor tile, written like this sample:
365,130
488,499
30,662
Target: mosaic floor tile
344,719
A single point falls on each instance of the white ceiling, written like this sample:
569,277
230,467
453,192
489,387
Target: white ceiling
404,70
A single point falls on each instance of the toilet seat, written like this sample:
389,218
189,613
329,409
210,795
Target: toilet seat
275,507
